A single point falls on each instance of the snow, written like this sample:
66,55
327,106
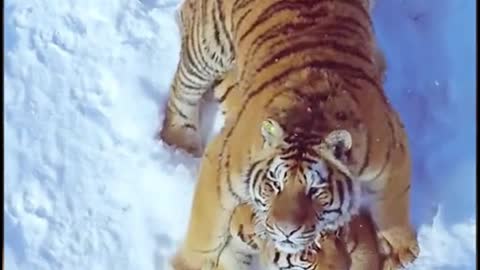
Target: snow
87,187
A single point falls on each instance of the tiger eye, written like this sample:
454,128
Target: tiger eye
313,191
324,197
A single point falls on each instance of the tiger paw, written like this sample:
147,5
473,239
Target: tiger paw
185,137
399,246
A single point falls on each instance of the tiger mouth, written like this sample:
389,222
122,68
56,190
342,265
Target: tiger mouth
289,247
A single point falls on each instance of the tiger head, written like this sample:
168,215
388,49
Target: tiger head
300,186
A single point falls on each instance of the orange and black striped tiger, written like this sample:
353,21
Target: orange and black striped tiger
309,136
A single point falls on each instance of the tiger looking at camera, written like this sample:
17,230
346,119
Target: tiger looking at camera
309,138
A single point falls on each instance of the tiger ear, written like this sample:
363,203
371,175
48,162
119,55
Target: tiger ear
272,132
339,142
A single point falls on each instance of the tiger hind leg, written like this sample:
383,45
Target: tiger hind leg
181,123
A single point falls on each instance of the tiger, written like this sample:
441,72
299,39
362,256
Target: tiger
309,137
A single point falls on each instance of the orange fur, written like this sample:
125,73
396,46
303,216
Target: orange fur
313,68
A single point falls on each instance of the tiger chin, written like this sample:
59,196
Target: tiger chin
307,125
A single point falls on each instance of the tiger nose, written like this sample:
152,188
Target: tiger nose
295,213
288,229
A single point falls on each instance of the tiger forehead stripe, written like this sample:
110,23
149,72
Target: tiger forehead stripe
299,138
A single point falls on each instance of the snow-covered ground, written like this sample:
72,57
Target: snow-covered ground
87,187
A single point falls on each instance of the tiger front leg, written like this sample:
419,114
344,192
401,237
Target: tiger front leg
229,260
237,254
207,234
397,242
244,244
390,212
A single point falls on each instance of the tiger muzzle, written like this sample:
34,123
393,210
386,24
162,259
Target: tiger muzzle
292,221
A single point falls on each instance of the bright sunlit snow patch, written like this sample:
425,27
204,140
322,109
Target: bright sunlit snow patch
447,247
87,187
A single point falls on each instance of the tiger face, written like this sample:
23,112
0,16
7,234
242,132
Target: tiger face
300,187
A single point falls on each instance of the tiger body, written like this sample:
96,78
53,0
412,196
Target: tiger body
297,80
